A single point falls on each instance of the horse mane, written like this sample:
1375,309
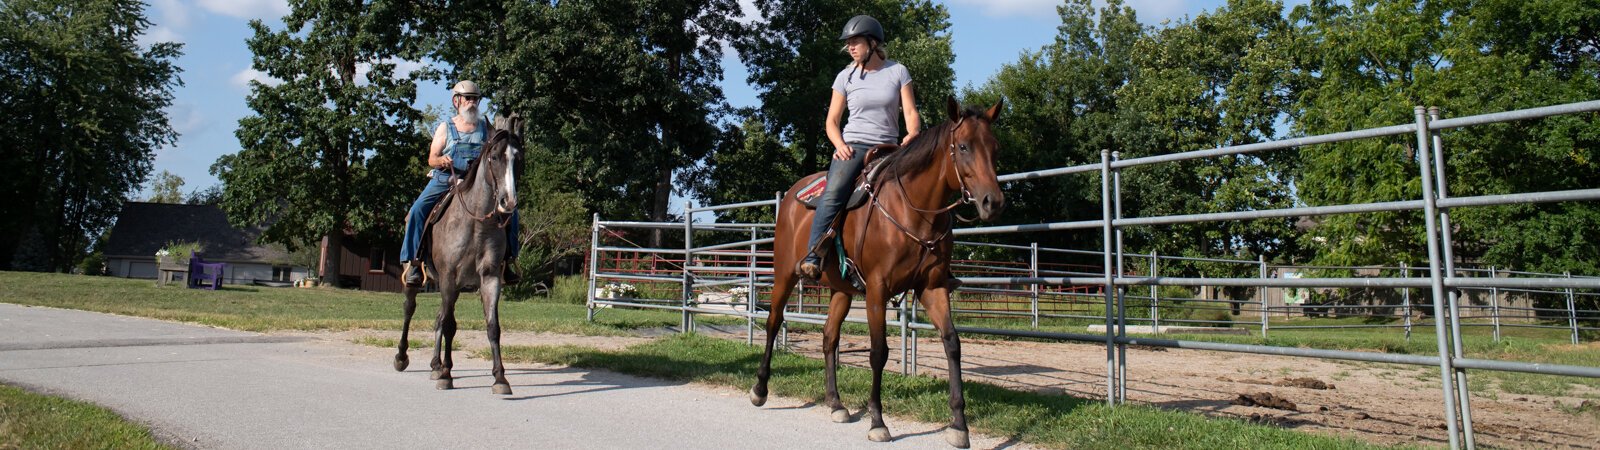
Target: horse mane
919,153
497,139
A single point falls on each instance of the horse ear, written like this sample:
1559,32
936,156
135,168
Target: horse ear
952,108
994,111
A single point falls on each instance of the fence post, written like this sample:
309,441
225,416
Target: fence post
1155,297
594,263
1572,311
1453,296
688,260
1405,272
1109,288
1033,271
1261,260
905,329
750,295
1122,312
1494,304
1431,221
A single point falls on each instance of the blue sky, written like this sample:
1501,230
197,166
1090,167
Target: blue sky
216,63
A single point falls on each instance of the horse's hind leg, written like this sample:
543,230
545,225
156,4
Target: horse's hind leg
936,302
876,300
490,293
783,284
401,361
838,309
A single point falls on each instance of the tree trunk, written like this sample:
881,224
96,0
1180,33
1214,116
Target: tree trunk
332,251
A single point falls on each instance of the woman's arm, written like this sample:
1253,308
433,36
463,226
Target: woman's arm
835,134
908,106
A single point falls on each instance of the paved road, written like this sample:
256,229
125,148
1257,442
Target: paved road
210,388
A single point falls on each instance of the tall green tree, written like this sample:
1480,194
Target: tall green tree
793,55
306,170
88,102
166,188
1375,59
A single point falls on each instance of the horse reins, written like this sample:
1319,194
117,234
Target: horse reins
966,198
505,218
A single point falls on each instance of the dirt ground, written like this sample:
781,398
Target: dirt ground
1379,403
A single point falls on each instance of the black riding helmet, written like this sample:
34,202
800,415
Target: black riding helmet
862,25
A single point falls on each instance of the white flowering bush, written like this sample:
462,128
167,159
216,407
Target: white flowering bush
618,290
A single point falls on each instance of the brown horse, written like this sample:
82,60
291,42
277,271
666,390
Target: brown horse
466,251
900,242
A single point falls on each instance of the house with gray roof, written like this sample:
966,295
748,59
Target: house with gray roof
144,228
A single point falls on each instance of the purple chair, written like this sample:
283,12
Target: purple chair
204,275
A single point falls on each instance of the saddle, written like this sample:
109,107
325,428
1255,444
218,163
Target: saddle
811,194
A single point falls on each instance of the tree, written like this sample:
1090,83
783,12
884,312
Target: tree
793,55
89,103
624,93
326,152
166,188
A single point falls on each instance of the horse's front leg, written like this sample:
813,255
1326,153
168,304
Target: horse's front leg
936,301
401,360
446,337
489,291
876,304
838,309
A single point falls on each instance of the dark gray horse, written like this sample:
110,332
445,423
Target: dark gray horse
466,250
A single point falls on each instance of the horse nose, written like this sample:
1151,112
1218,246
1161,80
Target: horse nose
991,205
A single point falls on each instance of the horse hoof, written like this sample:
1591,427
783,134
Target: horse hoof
757,399
437,374
841,415
502,389
879,434
444,384
401,362
956,438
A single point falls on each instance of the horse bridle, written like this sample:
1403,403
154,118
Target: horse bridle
494,210
966,197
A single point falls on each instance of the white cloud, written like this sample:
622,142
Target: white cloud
1008,8
247,9
402,69
1155,11
186,119
243,78
750,13
173,13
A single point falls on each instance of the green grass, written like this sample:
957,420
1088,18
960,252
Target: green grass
263,309
1049,420
395,343
29,420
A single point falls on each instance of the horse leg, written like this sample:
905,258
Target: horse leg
876,301
782,284
936,302
401,360
837,310
490,293
437,365
447,333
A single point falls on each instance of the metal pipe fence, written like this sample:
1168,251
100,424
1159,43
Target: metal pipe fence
1047,294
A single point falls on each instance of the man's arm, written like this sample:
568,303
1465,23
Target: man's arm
436,157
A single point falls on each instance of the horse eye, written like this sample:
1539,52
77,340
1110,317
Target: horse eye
964,148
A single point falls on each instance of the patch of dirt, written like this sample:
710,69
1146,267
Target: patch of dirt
1304,382
1265,400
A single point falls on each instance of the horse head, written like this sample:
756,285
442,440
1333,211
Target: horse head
500,162
972,152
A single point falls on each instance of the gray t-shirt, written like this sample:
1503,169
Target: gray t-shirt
873,99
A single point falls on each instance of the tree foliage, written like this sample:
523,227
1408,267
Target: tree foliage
87,102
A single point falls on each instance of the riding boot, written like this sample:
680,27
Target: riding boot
412,274
509,277
811,266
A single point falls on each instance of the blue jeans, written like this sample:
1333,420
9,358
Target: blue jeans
435,190
841,176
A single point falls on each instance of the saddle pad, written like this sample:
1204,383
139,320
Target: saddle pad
811,194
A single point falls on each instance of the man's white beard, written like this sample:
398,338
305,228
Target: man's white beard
469,114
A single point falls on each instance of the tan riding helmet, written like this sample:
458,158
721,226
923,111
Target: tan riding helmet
466,87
